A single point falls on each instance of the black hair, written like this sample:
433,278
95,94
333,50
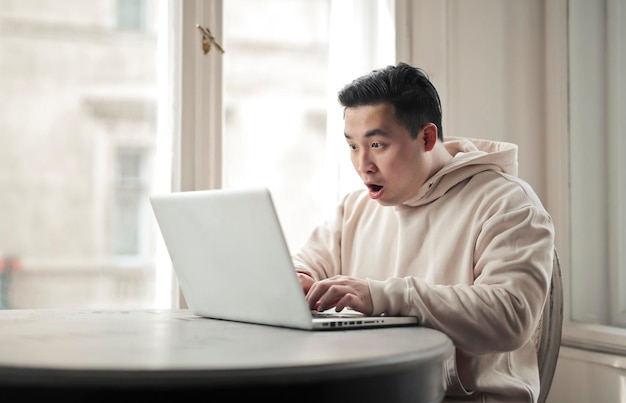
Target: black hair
407,88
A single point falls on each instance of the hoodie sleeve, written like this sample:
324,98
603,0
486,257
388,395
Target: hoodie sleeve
319,257
500,310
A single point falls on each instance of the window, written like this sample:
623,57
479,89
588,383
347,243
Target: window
283,125
131,14
598,179
129,217
78,132
104,103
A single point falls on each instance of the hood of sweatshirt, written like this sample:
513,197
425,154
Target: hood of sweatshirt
471,156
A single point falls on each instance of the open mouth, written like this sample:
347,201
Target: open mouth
375,191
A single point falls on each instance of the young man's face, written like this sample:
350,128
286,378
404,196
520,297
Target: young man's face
390,163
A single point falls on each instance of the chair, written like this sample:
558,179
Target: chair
548,333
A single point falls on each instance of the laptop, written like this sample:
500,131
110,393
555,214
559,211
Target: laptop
232,261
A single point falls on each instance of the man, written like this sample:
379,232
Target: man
444,231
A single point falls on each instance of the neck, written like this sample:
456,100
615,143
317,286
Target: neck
440,157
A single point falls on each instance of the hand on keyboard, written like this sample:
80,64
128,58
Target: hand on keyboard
331,313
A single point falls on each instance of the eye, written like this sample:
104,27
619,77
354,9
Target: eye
352,147
377,145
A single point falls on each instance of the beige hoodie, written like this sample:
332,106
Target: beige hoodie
470,255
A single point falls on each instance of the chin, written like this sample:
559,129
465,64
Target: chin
384,202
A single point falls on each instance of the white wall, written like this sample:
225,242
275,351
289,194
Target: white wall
585,376
486,59
501,68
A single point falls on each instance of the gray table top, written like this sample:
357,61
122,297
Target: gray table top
100,343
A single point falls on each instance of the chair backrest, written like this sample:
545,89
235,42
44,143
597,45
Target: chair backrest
548,334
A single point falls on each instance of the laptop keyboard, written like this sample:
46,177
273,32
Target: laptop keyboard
334,314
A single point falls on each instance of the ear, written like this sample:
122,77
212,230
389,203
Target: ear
430,136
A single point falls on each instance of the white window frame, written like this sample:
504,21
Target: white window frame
199,123
589,122
616,32
196,109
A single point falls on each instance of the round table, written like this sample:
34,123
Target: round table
159,355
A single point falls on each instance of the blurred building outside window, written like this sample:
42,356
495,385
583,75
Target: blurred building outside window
85,134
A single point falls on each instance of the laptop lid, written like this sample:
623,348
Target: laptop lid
232,261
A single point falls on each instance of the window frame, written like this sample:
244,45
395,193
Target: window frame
197,103
198,122
593,337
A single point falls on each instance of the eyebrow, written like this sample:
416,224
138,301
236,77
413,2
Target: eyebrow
370,133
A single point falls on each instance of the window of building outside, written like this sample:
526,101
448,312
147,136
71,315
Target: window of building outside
597,60
131,188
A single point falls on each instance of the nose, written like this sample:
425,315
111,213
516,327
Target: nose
363,163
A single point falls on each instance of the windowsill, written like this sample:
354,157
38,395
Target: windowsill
47,265
593,357
597,338
122,102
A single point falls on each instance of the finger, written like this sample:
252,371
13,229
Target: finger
305,281
354,302
332,296
320,288
315,292
318,297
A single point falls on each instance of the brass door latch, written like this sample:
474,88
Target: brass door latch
208,39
